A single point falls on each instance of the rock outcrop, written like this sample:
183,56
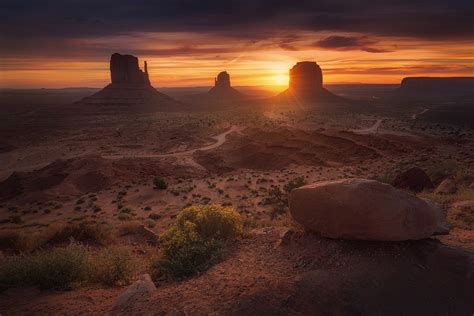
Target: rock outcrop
125,69
306,84
222,90
144,287
130,89
447,186
413,179
360,209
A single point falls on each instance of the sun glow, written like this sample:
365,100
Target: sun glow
280,80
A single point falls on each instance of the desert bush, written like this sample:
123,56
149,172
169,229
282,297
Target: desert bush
96,234
124,216
275,196
160,183
441,171
277,210
196,241
113,265
294,183
129,228
154,216
58,268
464,194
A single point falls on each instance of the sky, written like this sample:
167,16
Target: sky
68,43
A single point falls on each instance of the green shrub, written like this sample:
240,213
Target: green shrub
124,216
275,196
277,210
58,268
294,183
195,241
95,234
113,265
154,216
160,183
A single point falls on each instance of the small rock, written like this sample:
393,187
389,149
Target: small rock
142,287
447,186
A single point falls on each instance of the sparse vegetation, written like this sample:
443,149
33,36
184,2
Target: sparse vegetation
63,268
195,241
95,234
160,183
58,268
294,183
113,265
463,194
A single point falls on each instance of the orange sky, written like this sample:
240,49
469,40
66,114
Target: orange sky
194,59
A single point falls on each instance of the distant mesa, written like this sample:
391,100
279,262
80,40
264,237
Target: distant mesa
130,88
222,89
306,83
436,86
125,69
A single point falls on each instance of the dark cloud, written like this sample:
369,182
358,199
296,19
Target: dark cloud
26,24
336,42
251,18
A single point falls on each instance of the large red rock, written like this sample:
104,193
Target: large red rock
363,209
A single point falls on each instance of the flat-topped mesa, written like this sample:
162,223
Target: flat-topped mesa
306,77
130,89
222,90
437,86
222,80
306,85
125,69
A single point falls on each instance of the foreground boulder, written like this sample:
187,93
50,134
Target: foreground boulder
363,209
413,179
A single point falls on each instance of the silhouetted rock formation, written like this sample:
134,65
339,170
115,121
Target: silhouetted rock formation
222,90
306,84
124,69
130,88
436,89
454,86
305,78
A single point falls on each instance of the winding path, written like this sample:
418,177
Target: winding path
220,140
370,130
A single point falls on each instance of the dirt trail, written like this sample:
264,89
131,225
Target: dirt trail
220,139
370,130
415,116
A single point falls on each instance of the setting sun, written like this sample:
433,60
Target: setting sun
280,80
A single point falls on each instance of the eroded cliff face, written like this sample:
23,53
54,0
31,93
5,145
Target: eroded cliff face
125,69
305,77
